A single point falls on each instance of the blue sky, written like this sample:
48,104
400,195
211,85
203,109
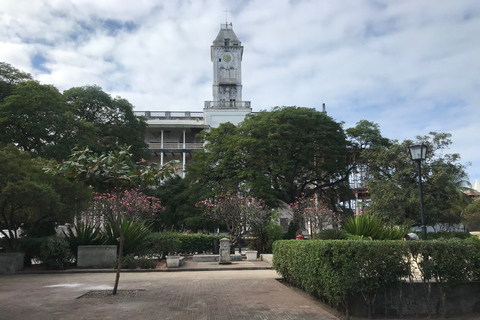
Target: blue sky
411,66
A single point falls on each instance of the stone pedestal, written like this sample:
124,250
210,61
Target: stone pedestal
224,251
251,255
11,262
96,256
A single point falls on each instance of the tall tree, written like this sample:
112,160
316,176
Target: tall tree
113,121
36,118
393,185
276,155
29,197
9,77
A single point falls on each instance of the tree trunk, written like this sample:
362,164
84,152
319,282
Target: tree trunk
118,222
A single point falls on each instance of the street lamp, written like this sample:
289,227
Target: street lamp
418,153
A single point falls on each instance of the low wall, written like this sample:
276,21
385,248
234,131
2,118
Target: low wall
96,256
11,262
413,300
267,258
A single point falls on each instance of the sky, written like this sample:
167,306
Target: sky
411,66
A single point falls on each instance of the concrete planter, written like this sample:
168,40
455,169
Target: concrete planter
96,256
251,255
175,261
11,262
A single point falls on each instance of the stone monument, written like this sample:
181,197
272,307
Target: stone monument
224,251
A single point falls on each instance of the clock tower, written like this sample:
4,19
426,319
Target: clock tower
226,54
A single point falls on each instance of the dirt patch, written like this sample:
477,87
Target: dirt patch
99,294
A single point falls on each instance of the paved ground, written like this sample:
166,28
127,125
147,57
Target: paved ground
243,292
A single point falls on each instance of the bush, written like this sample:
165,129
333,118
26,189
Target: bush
55,253
82,235
132,262
31,248
135,233
162,244
331,234
448,235
332,270
274,233
372,227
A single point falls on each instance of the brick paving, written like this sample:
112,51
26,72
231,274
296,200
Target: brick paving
217,294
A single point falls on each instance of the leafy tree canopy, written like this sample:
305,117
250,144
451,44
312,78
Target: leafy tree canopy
36,118
275,155
113,120
29,197
9,76
393,183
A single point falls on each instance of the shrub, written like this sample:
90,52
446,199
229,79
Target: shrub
372,227
332,234
135,232
448,235
132,262
55,253
82,235
274,233
332,270
162,244
31,248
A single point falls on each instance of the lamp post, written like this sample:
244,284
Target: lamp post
418,153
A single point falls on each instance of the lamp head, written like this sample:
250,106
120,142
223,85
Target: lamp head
418,152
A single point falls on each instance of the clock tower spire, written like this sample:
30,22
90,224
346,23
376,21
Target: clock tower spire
226,55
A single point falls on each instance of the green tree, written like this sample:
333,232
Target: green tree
471,216
276,155
180,212
9,77
113,172
29,197
393,183
36,118
366,135
111,122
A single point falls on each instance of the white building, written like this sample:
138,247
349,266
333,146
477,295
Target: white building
172,135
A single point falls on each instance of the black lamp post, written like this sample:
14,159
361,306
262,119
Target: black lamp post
418,153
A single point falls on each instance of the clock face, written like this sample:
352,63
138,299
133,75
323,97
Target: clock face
227,57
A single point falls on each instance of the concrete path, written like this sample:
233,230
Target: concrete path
216,294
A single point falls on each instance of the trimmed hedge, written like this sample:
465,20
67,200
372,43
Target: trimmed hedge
335,269
173,242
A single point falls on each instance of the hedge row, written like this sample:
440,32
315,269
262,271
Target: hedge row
172,242
333,270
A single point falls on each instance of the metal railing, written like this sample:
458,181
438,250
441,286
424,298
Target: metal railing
227,104
176,145
170,115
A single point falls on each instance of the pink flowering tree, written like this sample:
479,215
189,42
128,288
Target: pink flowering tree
113,172
238,212
311,211
133,205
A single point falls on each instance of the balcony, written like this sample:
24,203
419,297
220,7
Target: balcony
170,115
174,146
227,104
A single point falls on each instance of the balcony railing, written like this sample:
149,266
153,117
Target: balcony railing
170,115
176,146
227,104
